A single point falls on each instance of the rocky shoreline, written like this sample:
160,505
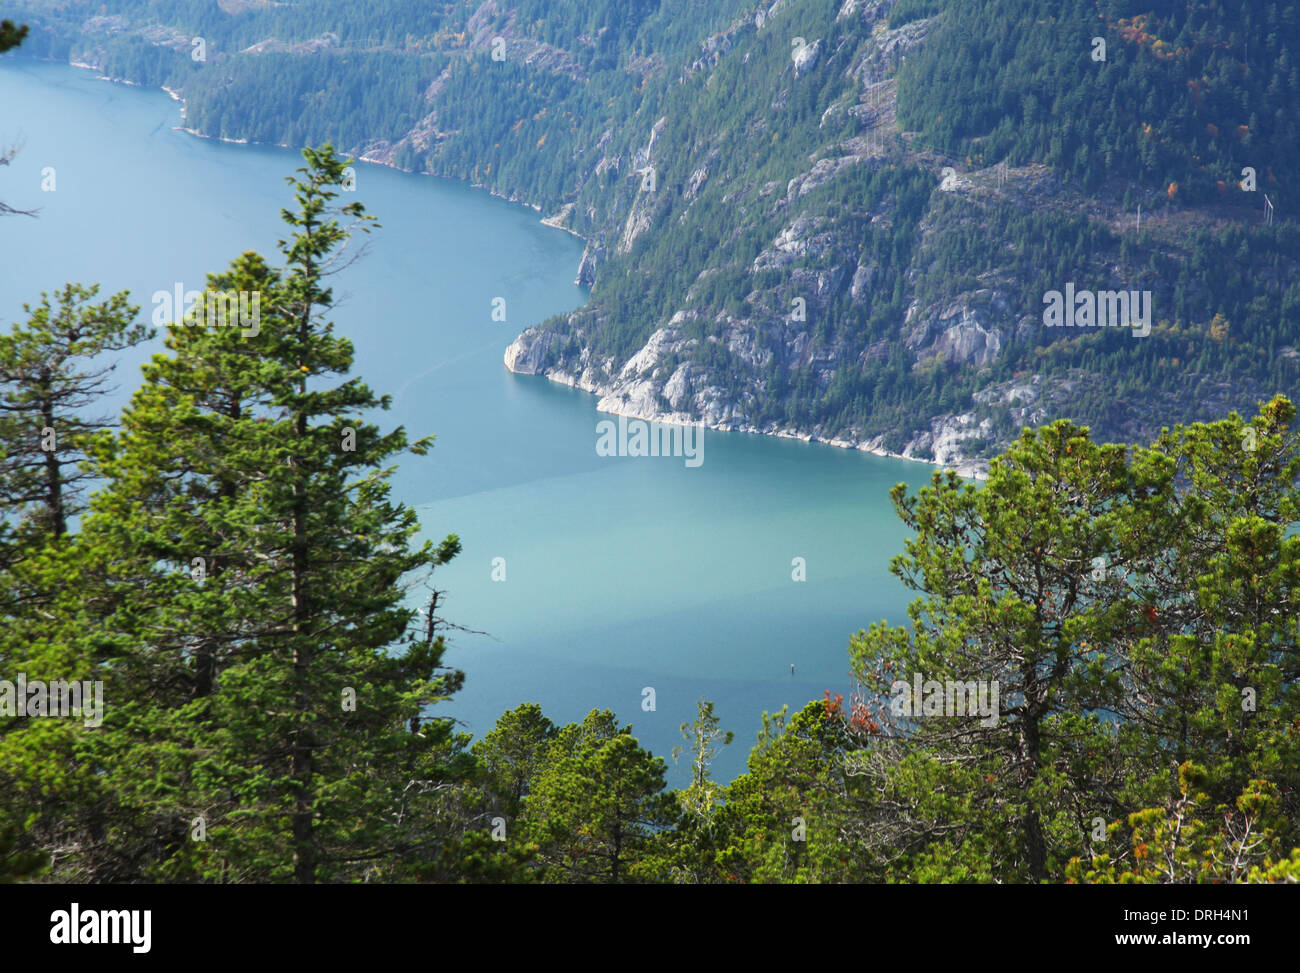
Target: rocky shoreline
944,429
520,358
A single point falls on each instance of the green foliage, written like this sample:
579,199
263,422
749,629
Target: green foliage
1191,842
906,11
240,580
1187,97
595,804
11,34
512,755
240,593
1187,94
348,99
48,377
1135,607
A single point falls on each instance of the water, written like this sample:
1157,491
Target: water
621,573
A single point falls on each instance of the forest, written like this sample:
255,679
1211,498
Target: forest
1164,117
225,559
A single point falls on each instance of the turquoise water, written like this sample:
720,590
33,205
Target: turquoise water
621,573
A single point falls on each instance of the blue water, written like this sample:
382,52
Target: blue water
622,573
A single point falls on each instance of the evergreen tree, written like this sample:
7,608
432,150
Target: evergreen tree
52,377
596,804
512,754
51,372
1211,661
276,682
1012,598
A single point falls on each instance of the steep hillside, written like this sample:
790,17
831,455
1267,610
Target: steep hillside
832,220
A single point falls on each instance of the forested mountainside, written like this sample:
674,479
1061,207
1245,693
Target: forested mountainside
837,220
831,229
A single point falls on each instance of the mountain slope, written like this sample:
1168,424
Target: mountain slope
832,220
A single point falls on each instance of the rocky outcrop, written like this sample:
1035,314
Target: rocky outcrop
790,300
325,42
969,331
806,57
489,23
592,257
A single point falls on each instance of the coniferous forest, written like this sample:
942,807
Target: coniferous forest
1098,679
274,710
1139,162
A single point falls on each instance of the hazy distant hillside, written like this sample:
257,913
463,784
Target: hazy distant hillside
773,242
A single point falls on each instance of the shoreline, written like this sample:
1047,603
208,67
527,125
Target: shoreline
861,446
605,407
552,222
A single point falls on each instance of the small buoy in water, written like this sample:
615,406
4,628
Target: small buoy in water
792,668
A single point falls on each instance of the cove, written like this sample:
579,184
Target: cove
615,573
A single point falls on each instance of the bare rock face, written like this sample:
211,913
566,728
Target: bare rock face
1022,398
641,215
593,255
820,174
712,50
645,156
763,16
715,363
529,354
639,219
489,22
697,180
161,36
863,275
325,42
969,329
806,57
677,390
891,47
646,361
947,441
805,237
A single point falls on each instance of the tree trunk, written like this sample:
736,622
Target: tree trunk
304,854
58,523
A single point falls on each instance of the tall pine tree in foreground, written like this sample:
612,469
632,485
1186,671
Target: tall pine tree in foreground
269,682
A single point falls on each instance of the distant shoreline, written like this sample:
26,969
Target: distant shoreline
553,223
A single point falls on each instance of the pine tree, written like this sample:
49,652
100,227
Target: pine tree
51,372
11,35
260,565
596,804
1022,589
512,754
1212,659
52,375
